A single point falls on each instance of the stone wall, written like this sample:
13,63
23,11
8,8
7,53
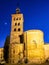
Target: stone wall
1,54
16,53
33,40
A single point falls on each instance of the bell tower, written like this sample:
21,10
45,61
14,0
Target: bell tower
16,37
17,27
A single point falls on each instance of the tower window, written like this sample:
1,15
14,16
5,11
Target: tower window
18,29
19,18
15,29
16,18
18,24
15,24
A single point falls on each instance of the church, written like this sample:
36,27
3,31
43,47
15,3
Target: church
28,46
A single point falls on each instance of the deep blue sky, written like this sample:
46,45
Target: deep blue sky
36,16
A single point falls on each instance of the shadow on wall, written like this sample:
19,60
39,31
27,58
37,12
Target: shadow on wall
21,38
6,49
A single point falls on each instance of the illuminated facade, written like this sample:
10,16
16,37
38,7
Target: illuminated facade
46,48
16,27
34,42
25,46
16,38
1,54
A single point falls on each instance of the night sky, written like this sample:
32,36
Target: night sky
36,16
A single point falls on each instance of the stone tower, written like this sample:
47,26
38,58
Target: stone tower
17,27
16,38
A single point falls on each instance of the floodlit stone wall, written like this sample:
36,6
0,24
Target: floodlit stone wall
46,48
16,27
34,42
26,45
36,56
1,54
16,42
16,53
